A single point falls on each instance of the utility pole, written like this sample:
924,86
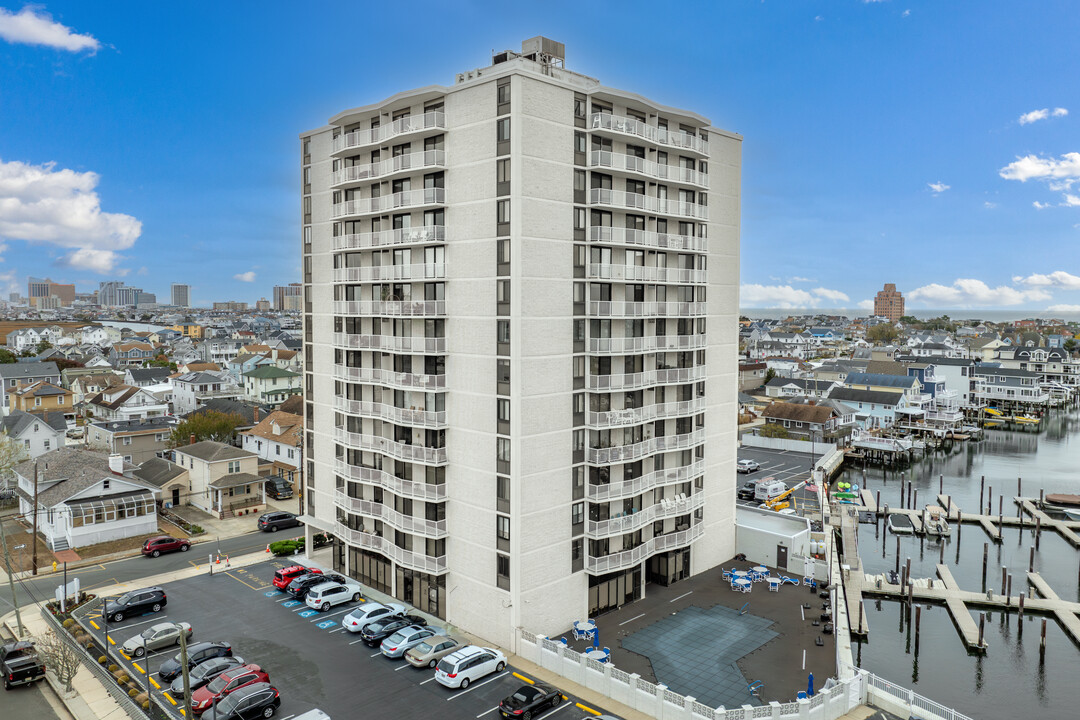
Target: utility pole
33,557
184,674
11,579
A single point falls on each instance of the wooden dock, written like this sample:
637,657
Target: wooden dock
969,631
1067,618
1049,523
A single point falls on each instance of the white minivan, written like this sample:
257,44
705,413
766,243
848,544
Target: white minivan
468,664
325,596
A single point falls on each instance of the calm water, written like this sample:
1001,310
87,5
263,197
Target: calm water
1009,681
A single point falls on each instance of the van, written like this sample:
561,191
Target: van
768,489
279,488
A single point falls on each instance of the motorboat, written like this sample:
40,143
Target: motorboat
1027,419
994,411
900,524
935,521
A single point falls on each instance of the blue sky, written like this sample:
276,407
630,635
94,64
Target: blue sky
931,144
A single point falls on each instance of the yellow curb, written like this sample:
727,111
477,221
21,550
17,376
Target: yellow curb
588,709
522,677
95,625
169,698
111,641
154,682
136,666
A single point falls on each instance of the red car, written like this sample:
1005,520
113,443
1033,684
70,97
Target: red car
284,576
232,679
153,547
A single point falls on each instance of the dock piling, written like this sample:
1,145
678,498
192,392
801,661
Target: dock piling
878,505
982,628
1038,530
1004,577
990,501
941,484
1021,608
1008,591
959,523
982,485
1042,642
907,571
897,554
1041,497
1031,559
941,554
909,489
986,554
915,503
1018,492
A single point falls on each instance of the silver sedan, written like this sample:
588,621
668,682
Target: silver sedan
161,635
406,638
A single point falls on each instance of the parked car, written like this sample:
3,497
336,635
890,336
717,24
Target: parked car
381,629
406,638
259,700
369,612
747,466
529,701
746,492
20,664
278,488
429,652
203,673
155,546
323,597
136,602
197,653
300,585
468,665
278,520
225,684
284,576
157,636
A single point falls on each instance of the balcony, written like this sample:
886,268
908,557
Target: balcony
391,308
390,378
404,558
636,451
620,200
629,488
404,200
380,273
391,343
434,529
387,481
648,168
648,413
644,238
622,309
620,125
426,235
401,164
390,413
650,343
399,128
635,521
633,273
635,556
637,381
390,448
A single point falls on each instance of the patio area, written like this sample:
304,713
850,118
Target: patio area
701,638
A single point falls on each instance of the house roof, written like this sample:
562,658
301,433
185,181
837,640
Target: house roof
234,479
804,383
39,388
211,451
128,346
984,369
202,366
232,406
197,378
290,425
120,394
270,371
28,370
17,421
130,427
151,375
885,367
158,471
880,397
881,380
73,469
815,414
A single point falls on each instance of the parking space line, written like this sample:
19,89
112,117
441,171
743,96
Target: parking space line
338,630
356,641
487,711
561,707
681,596
332,614
96,627
376,654
587,709
428,680
402,667
631,619
459,693
158,618
522,677
229,573
169,697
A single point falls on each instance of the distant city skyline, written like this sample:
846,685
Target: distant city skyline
918,144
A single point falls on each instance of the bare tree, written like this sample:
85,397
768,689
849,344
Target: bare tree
59,656
11,454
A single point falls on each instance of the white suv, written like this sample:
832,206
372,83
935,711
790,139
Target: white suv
458,669
328,594
369,612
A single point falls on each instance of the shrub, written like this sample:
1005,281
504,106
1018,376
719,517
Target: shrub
68,624
287,547
132,692
113,668
121,677
196,530
146,705
102,660
142,697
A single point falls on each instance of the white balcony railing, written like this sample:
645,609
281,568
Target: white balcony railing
646,516
648,413
391,343
404,200
647,273
405,558
620,199
399,416
391,378
391,308
424,235
636,451
650,343
416,271
386,446
635,556
629,488
660,136
434,529
403,126
657,171
635,381
423,160
402,488
619,308
644,238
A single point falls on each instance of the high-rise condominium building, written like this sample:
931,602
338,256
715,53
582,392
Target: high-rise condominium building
181,295
282,293
43,289
520,338
889,303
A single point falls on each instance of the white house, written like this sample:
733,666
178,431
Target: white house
123,402
102,335
37,433
276,439
193,389
85,498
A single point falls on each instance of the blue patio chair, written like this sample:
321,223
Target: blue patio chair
563,641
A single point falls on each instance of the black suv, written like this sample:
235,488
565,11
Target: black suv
197,653
136,602
746,492
258,700
274,521
374,633
299,587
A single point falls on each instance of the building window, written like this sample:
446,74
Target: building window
581,144
502,136
577,518
502,297
577,554
502,493
502,177
502,571
502,97
502,336
502,532
502,455
234,466
502,217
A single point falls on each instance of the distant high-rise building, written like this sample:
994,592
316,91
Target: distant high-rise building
281,292
108,293
889,303
262,304
38,288
181,295
145,298
293,303
231,306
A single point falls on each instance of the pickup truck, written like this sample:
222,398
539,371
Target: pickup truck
21,664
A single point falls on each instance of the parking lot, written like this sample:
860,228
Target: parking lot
311,659
789,467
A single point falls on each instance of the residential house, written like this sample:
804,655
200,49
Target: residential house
271,385
198,366
984,347
838,370
189,330
14,374
144,377
957,375
1008,385
224,479
780,387
87,386
102,335
1058,370
23,339
751,375
170,479
220,350
881,382
190,390
276,440
123,402
802,421
873,408
37,433
85,498
127,354
137,440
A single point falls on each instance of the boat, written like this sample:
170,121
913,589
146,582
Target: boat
994,411
1072,513
1027,420
934,521
901,525
1063,500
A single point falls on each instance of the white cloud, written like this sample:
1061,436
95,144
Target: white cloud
832,295
1040,206
785,296
248,276
143,271
41,204
989,205
798,279
99,261
967,292
1071,201
818,18
1060,112
938,187
1058,278
1031,167
1064,308
10,282
38,28
865,305
906,13
1034,116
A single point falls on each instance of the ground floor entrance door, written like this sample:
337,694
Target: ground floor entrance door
781,557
